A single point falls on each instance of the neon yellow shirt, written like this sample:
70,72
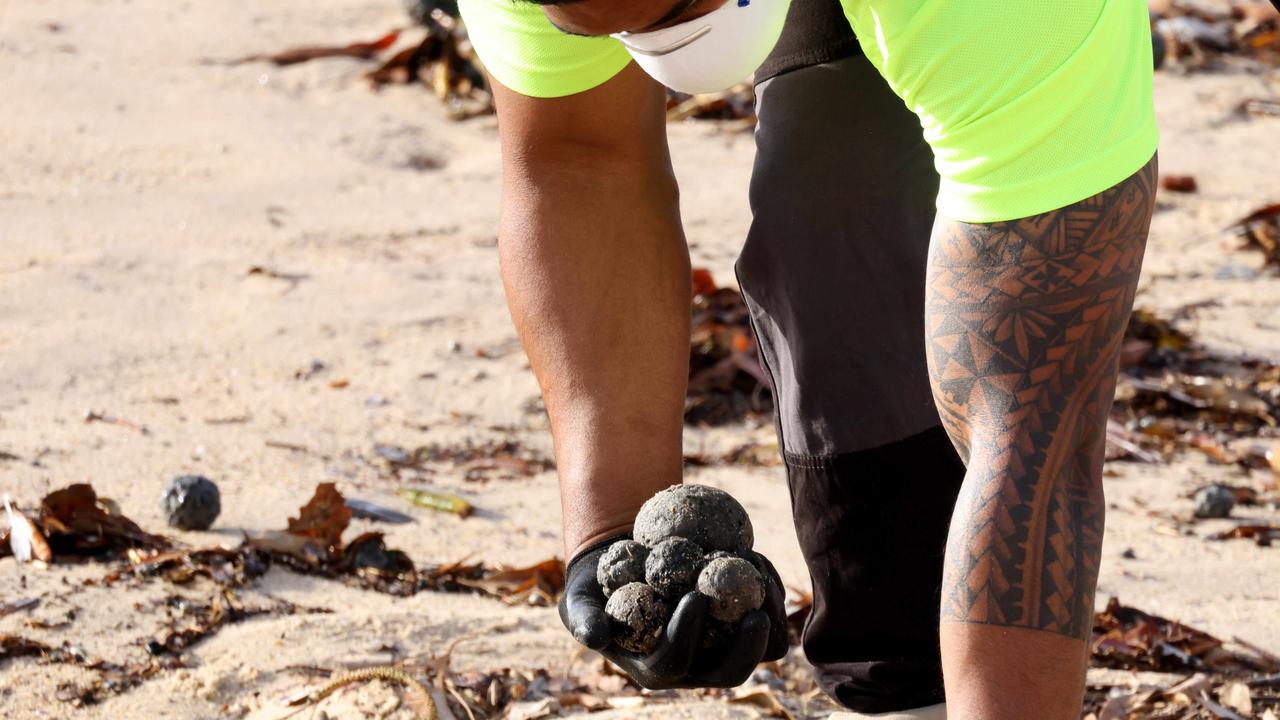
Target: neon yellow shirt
1028,106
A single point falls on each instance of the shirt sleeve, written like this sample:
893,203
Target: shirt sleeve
521,49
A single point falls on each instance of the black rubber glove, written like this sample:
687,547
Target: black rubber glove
678,661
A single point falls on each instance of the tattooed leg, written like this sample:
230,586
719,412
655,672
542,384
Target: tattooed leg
1024,323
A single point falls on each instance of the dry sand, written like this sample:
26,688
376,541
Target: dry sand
143,178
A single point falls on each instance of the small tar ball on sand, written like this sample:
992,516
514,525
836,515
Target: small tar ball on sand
673,566
621,564
704,515
191,502
1214,501
734,586
638,616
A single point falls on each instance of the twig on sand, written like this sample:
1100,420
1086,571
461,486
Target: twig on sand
421,701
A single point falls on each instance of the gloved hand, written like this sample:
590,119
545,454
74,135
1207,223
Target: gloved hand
678,661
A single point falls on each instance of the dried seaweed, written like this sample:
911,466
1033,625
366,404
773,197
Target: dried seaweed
1174,395
1200,36
358,50
492,459
446,62
1129,639
75,523
1260,231
323,518
727,382
737,104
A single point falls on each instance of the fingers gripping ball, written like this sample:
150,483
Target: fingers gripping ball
622,564
734,586
638,615
673,566
701,514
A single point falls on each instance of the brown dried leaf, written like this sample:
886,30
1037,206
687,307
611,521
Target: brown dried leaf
325,517
764,698
538,584
74,523
1236,696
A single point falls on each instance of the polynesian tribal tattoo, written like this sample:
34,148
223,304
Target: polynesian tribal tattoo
1024,324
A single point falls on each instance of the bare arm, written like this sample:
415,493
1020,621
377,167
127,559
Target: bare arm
1025,320
597,277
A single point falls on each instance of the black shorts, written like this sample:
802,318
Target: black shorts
833,272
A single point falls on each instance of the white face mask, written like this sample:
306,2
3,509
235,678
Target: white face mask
713,52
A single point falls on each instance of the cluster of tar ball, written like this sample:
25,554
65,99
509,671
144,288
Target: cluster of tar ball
687,537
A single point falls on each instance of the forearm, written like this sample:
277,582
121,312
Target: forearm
597,277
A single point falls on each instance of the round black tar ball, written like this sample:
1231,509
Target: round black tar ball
673,566
1214,501
638,615
705,515
191,502
734,586
621,564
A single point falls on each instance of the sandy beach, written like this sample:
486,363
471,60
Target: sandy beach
272,270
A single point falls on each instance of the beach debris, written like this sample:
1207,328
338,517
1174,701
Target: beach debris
191,502
673,532
292,278
323,518
1129,639
1174,395
445,61
672,567
1125,638
735,104
194,622
188,623
1262,534
1258,107
1260,231
752,453
639,614
492,459
1179,183
419,700
734,585
94,416
800,607
112,678
366,510
314,368
1214,501
293,56
13,606
25,541
76,522
227,567
707,516
1198,35
621,564
726,380
436,500
539,584
370,551
313,545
